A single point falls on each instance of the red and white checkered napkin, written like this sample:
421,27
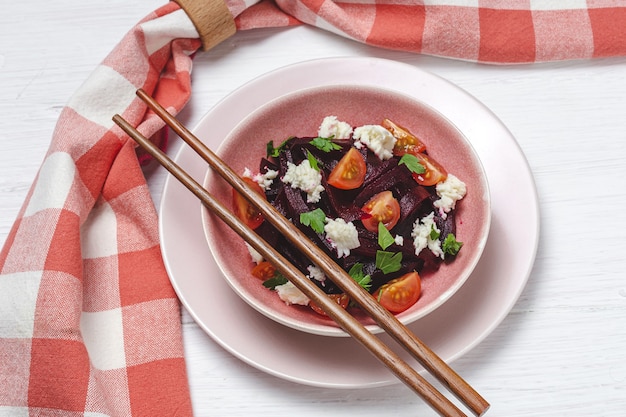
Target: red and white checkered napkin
89,323
489,31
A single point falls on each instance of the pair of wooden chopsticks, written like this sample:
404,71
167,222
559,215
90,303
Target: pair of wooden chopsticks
387,321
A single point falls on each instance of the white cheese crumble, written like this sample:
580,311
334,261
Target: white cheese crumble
378,139
290,294
257,258
264,180
399,240
306,178
247,173
333,128
449,191
342,236
316,273
422,229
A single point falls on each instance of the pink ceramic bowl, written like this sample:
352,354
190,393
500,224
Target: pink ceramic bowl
300,114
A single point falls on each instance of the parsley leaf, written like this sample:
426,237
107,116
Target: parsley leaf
271,151
412,163
312,161
315,219
325,144
356,272
388,261
434,234
384,237
450,245
275,281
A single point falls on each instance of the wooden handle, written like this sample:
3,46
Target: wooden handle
212,20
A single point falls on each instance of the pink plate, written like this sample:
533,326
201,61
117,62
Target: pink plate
300,114
452,330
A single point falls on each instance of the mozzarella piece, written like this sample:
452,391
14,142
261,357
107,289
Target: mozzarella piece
333,128
290,294
422,229
342,236
378,139
306,178
449,191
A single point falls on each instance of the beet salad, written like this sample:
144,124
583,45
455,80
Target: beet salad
370,196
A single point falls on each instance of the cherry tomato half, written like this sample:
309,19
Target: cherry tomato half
434,174
383,207
263,270
246,211
342,299
349,172
401,293
404,138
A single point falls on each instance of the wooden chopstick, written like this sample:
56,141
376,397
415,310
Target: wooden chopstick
435,365
352,326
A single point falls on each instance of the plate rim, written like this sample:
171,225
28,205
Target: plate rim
374,64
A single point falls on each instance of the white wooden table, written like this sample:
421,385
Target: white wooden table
561,350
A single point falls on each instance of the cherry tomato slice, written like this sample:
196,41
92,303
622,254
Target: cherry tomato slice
349,172
263,270
401,293
342,299
246,211
404,138
383,207
435,173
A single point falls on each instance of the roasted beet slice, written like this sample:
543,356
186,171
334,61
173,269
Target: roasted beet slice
397,174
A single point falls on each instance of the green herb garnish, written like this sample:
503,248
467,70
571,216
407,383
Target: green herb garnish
384,237
450,245
356,272
312,161
434,234
412,163
325,144
388,261
275,281
271,151
315,219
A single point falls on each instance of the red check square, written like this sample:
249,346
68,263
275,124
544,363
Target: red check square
59,374
506,36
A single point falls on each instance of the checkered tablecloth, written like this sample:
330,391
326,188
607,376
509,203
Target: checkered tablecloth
89,323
